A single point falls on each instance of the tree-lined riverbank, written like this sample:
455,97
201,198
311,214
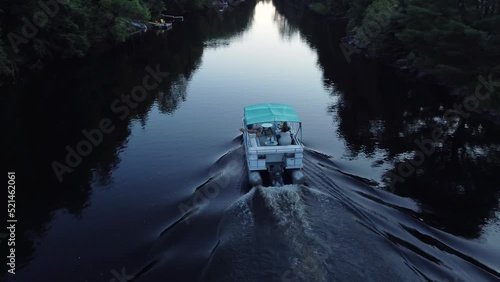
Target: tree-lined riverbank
454,42
34,33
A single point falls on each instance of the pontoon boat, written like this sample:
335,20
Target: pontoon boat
272,136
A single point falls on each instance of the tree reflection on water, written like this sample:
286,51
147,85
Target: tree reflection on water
383,115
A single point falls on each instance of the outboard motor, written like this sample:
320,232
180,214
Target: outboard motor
276,173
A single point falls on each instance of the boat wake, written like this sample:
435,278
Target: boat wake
293,233
336,227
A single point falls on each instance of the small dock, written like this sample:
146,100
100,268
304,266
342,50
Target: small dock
173,18
161,25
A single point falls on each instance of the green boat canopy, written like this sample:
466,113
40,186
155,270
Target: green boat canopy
260,113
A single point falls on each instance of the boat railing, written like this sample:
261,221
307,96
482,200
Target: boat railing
275,149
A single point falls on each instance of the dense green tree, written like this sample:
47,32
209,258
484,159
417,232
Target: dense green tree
443,42
155,7
36,32
41,31
453,41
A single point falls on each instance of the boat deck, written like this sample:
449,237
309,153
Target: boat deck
263,141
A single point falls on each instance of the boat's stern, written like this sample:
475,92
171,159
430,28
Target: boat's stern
276,160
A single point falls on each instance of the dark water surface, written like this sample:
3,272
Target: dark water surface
164,196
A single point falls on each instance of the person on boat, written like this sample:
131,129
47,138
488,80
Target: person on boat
284,137
285,127
253,129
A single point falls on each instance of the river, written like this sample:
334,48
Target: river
154,188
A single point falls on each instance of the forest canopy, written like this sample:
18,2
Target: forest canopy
453,41
33,32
